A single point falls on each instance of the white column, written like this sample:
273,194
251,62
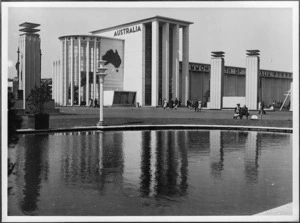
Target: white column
155,63
87,72
143,63
252,72
72,71
60,82
66,86
53,82
57,83
165,61
94,73
216,83
185,64
61,75
291,97
175,59
79,71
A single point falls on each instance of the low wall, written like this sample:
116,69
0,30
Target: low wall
108,98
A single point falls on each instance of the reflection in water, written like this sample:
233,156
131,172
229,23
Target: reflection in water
167,163
184,161
251,158
145,179
35,169
88,172
216,154
88,161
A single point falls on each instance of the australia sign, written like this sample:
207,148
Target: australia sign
129,30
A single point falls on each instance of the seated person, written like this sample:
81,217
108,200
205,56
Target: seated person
237,111
244,111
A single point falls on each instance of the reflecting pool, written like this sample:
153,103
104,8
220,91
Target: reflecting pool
168,172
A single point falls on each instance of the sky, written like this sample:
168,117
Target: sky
229,29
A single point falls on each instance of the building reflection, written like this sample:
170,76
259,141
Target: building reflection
35,170
111,159
252,154
169,174
145,178
93,158
216,156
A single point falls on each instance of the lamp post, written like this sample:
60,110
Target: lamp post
101,73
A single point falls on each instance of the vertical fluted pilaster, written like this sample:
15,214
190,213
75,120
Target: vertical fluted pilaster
185,64
176,61
79,71
72,71
252,80
155,63
87,72
165,61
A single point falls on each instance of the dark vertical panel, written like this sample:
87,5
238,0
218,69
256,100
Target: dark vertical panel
195,85
229,85
148,63
171,63
160,65
240,86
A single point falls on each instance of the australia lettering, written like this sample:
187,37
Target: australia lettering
125,31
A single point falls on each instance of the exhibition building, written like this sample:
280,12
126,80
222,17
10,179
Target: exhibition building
148,61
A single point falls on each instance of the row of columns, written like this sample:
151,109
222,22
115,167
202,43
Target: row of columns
168,59
252,80
64,71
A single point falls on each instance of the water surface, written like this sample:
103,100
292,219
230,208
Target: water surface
174,172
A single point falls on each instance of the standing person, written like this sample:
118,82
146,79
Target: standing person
165,103
176,103
91,103
262,108
199,105
196,105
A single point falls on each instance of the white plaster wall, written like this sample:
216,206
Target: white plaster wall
230,102
108,98
133,60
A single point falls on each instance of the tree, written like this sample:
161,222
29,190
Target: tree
38,96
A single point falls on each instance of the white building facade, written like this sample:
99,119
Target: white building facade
151,66
74,75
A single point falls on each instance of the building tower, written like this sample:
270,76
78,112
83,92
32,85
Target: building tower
253,83
30,59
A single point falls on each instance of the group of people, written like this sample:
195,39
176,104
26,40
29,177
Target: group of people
239,112
171,104
93,103
197,104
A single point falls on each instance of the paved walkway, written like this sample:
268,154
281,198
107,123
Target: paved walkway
282,210
81,116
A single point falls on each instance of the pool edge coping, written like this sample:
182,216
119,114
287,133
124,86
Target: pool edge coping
156,127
